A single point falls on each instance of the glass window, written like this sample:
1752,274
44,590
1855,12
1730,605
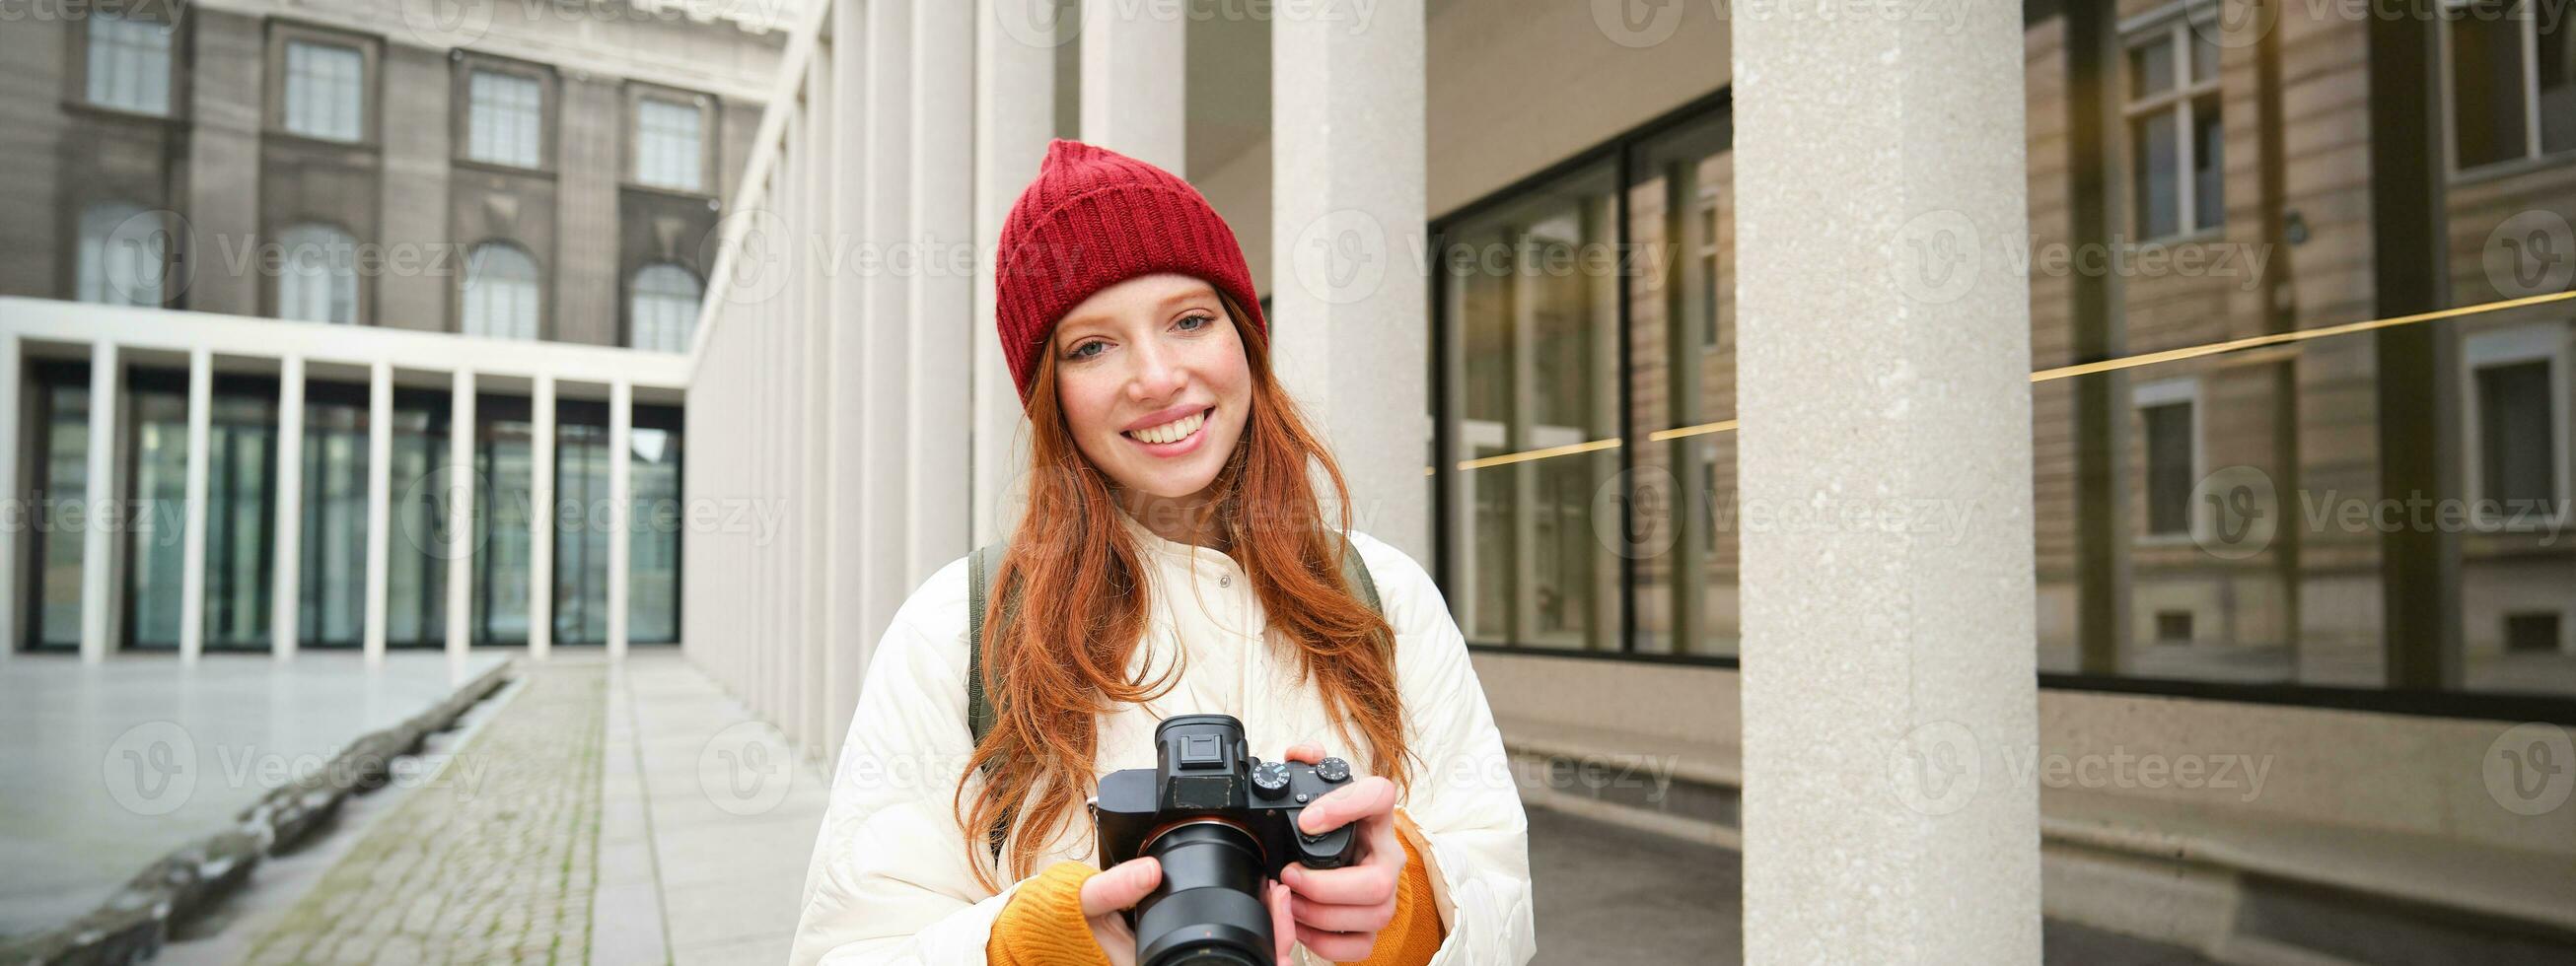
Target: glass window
501,296
317,275
1533,364
581,543
505,119
653,541
663,311
2169,467
2176,158
332,547
1678,510
241,440
325,87
669,146
61,495
129,63
2512,96
124,255
506,471
2516,438
416,560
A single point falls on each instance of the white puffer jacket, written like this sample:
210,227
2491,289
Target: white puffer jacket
890,880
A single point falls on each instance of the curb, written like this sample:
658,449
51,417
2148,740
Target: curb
132,924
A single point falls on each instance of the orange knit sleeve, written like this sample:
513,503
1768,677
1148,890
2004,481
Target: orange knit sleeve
1415,933
1042,925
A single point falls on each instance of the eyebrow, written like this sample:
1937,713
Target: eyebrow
1166,305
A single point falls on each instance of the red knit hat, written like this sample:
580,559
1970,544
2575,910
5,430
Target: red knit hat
1094,218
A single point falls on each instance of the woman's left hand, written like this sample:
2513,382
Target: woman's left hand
1338,912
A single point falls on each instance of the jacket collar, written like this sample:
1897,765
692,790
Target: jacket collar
1159,545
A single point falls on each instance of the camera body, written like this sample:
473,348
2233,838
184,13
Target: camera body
1221,823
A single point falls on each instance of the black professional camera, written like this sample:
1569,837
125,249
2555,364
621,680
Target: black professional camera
1221,822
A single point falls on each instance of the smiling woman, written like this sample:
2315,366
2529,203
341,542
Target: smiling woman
1173,559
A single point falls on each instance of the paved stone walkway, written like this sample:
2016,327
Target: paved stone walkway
495,863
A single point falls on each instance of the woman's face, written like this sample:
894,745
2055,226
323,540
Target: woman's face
1151,376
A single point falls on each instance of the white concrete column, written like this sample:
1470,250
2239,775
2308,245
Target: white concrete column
813,404
192,543
541,523
1888,671
844,440
1014,119
459,490
943,288
286,600
883,501
380,460
20,515
1346,116
98,541
1134,57
621,501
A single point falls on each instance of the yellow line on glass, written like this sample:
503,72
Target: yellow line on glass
2277,338
2064,372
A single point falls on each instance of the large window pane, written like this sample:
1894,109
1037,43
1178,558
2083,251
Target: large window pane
581,534
416,594
61,495
505,119
2487,84
669,145
317,275
332,549
324,88
1681,497
663,313
501,297
240,454
129,62
1534,292
653,541
504,471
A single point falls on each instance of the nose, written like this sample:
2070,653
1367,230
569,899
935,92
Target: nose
1158,374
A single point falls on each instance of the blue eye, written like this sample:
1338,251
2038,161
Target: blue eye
1202,319
1083,351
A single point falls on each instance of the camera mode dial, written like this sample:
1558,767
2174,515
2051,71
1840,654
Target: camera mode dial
1333,770
1270,779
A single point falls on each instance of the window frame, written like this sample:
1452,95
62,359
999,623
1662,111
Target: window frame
358,287
2446,77
631,166
631,289
2543,341
544,329
461,122
174,77
2175,26
282,35
2183,390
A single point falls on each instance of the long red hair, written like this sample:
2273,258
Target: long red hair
1082,612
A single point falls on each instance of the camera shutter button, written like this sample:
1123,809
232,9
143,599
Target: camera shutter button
1333,770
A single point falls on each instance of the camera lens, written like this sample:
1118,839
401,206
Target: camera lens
1207,911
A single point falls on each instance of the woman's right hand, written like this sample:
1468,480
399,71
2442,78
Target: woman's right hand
1110,893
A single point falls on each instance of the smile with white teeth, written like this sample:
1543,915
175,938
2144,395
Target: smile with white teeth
1171,432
